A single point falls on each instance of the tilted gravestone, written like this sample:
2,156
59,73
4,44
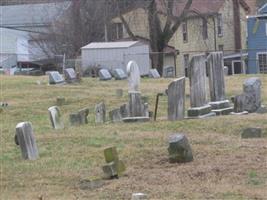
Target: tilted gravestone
179,149
114,167
55,78
25,139
119,74
70,75
198,93
55,117
100,113
168,71
176,99
219,104
104,75
80,117
153,73
115,115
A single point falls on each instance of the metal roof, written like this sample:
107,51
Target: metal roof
110,45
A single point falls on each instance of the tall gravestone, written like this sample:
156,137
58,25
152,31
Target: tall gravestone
25,139
219,104
176,99
104,75
70,75
55,78
100,113
198,93
55,117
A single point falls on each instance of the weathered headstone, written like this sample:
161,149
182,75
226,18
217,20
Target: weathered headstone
55,78
179,149
135,104
252,88
25,139
55,117
70,75
115,115
124,110
198,94
80,117
100,113
104,75
139,196
168,71
114,167
153,73
252,133
219,104
176,99
119,92
133,73
119,74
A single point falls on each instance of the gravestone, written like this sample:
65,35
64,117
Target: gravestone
104,75
139,196
153,73
55,78
119,92
179,149
119,74
168,71
55,117
219,104
135,104
176,99
114,167
225,70
133,73
115,115
252,133
124,110
70,75
252,91
80,117
25,139
198,94
100,113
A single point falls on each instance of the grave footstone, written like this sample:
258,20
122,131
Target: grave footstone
219,104
252,133
80,117
133,73
168,71
179,149
100,113
55,78
153,73
139,196
55,117
176,99
119,74
26,140
198,94
70,75
115,115
104,75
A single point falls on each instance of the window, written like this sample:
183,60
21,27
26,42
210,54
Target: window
220,25
204,29
184,31
119,30
186,64
220,47
262,62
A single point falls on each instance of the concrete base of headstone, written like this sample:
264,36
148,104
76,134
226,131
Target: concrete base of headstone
139,196
115,115
223,111
251,133
239,113
221,107
200,112
135,119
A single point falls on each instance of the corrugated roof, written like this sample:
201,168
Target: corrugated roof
31,14
110,45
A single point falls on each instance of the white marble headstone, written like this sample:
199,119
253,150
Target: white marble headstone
70,74
55,117
55,77
133,73
104,75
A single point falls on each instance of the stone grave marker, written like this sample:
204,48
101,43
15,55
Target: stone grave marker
124,110
225,70
168,71
70,75
25,139
153,73
179,149
176,99
133,73
119,74
115,115
55,117
251,133
139,196
100,113
104,75
80,117
55,78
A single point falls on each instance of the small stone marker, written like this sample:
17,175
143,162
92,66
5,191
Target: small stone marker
139,196
169,71
252,133
104,75
100,113
176,99
55,117
153,73
115,115
70,75
133,76
80,117
252,91
114,167
60,101
119,92
55,78
124,110
119,74
179,149
25,138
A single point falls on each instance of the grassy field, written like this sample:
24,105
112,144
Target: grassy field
224,166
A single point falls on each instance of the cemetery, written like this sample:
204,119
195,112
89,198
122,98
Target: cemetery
202,137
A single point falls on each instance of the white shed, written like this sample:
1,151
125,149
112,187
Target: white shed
112,55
